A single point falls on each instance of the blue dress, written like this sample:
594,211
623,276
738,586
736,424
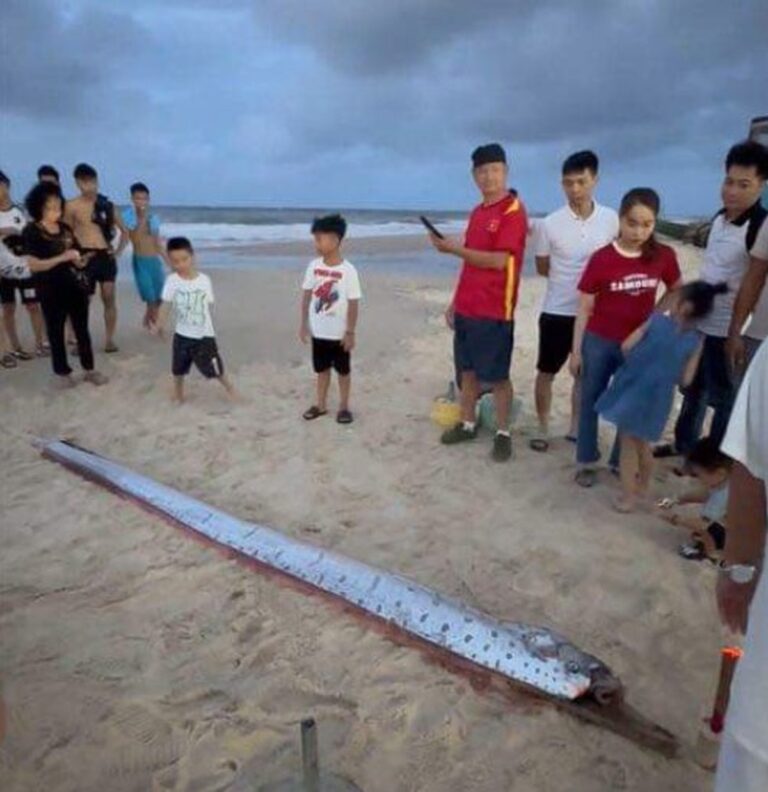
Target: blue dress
640,396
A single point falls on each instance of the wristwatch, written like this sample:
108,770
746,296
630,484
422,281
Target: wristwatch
739,573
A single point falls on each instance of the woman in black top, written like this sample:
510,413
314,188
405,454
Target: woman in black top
60,280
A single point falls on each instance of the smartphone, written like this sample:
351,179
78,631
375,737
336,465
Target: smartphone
430,227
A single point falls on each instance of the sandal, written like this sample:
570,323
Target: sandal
539,443
42,351
8,361
21,354
586,477
571,438
111,348
314,412
344,417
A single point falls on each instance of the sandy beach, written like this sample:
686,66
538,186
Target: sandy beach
133,658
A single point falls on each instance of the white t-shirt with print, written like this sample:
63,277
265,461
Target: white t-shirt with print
12,218
192,300
747,442
569,241
758,326
332,287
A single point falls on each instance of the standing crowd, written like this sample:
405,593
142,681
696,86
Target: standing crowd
616,313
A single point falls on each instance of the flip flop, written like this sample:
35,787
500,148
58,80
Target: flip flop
313,412
8,361
21,354
344,417
111,348
571,438
539,443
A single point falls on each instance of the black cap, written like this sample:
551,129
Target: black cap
492,152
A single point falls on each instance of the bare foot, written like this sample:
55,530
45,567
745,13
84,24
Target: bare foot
96,378
111,347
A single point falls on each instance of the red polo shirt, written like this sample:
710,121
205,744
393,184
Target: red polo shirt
492,293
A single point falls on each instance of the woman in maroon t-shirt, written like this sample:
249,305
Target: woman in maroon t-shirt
617,293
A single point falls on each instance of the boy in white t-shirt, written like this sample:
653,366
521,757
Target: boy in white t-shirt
329,311
190,294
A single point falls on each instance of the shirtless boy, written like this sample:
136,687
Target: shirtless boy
93,217
144,230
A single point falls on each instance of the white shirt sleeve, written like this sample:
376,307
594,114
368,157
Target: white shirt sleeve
309,277
169,289
353,287
209,290
540,239
746,440
760,245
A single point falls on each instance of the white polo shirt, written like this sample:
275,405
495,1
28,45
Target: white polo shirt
569,241
758,326
725,259
747,442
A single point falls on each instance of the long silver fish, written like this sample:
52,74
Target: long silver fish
534,656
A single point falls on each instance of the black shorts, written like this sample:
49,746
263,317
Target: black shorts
25,287
555,342
203,352
101,267
328,354
483,346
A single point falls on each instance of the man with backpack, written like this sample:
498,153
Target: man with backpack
94,220
737,238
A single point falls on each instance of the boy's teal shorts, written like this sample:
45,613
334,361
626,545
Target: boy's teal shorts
149,275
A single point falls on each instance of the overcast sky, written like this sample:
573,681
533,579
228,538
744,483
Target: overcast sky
362,103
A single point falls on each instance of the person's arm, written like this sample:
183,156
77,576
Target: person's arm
43,265
163,312
353,311
631,341
744,544
749,293
125,237
664,303
586,307
306,300
692,366
484,259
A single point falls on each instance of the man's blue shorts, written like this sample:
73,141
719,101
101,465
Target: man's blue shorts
483,346
149,275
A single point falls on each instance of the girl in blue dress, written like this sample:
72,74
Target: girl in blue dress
661,354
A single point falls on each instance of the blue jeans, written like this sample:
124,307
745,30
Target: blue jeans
713,386
600,358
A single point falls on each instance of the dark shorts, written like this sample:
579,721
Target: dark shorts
203,352
555,342
483,346
26,288
328,354
101,268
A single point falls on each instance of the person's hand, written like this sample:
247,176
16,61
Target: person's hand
574,365
445,245
72,256
450,316
348,342
154,328
304,334
733,600
736,352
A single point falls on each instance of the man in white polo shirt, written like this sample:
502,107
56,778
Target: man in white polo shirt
726,258
742,590
564,241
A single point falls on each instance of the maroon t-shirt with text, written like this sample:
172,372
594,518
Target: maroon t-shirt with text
625,288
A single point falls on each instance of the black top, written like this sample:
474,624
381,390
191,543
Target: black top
42,244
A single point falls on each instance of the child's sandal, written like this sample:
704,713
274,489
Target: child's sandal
314,412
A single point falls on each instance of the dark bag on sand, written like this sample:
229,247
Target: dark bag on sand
104,217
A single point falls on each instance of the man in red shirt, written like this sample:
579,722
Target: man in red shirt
482,310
